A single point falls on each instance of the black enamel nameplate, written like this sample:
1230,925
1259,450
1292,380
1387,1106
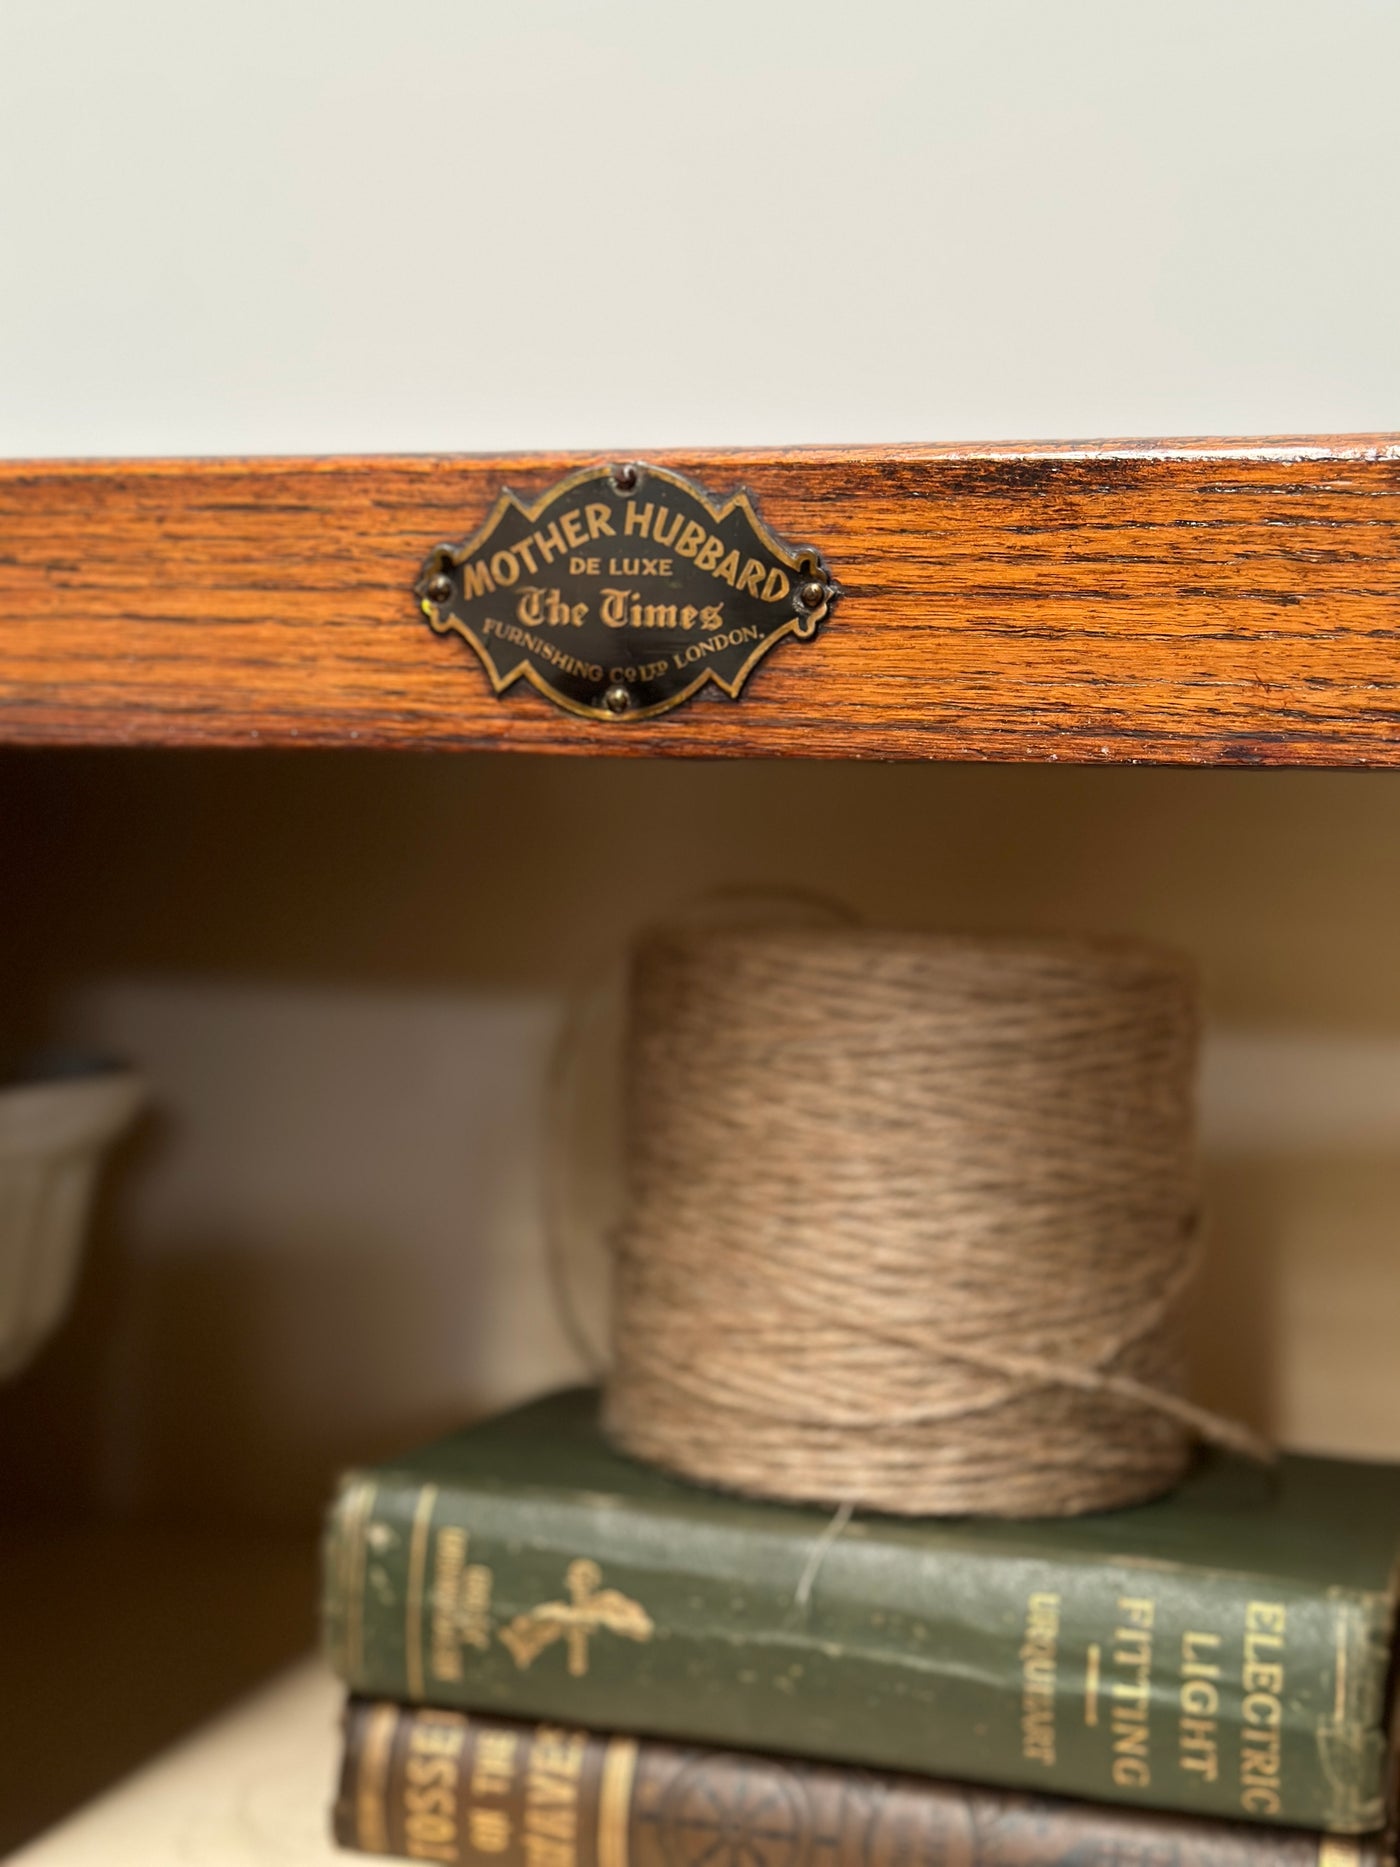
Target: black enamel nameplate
623,590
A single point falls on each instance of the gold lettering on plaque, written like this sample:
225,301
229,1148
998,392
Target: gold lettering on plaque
623,590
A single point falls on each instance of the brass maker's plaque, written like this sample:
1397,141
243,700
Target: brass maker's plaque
622,590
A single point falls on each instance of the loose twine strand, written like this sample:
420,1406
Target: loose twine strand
911,1220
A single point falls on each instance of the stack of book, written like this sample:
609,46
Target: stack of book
560,1658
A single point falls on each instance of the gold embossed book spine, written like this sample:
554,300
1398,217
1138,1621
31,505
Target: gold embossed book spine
439,1786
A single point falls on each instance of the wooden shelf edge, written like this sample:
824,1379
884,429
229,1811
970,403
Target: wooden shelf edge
1227,602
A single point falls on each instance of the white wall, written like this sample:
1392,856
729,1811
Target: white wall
311,225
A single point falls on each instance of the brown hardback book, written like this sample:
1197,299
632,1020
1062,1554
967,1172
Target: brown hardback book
437,1785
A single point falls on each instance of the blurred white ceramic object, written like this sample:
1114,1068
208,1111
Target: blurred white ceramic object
52,1136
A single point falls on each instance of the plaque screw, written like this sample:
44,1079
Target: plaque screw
617,699
439,588
624,478
812,595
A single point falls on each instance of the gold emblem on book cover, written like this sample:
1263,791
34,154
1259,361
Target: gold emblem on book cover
590,1610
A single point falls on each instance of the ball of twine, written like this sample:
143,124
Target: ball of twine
911,1220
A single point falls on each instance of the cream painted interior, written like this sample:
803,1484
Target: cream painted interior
343,974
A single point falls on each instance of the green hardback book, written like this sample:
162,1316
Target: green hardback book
1223,1650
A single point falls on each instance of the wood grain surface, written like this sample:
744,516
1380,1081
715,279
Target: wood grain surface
1202,602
